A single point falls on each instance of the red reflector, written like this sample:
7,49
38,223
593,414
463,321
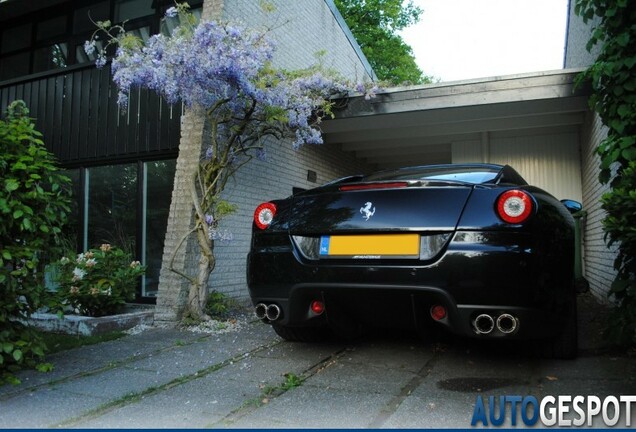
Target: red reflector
264,214
317,307
366,186
514,206
438,312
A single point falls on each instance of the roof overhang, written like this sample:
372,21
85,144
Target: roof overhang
417,125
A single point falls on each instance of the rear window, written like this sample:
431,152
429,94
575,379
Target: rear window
458,173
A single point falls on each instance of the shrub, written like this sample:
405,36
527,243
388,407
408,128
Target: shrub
34,202
99,281
220,306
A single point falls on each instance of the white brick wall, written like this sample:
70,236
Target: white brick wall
261,181
300,29
598,259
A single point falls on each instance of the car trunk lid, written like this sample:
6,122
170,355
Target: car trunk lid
379,208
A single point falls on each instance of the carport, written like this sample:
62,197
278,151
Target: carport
531,121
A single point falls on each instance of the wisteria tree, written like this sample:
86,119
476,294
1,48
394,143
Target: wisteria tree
225,72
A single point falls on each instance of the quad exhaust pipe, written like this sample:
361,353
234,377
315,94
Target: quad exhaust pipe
270,312
505,323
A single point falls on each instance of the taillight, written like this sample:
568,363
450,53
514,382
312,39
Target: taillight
514,206
264,214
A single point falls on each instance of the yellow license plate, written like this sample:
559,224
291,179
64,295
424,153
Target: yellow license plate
370,246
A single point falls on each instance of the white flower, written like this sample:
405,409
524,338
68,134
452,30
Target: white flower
90,262
78,274
65,261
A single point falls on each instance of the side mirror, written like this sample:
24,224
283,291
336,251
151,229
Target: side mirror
572,206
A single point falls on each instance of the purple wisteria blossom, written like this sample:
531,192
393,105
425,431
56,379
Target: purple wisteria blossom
213,64
224,72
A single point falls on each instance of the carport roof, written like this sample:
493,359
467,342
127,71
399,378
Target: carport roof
417,125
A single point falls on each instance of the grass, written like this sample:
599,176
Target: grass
57,342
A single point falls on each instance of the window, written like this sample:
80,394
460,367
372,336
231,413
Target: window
130,9
51,28
105,209
158,180
51,57
14,66
112,206
84,19
16,38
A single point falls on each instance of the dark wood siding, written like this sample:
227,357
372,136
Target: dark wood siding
77,112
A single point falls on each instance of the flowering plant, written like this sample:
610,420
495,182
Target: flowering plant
225,73
99,281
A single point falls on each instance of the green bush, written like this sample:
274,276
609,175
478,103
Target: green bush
98,282
613,81
620,228
34,202
219,306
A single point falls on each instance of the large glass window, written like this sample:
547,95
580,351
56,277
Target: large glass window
74,230
106,209
112,206
158,179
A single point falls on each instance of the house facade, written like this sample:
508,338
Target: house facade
125,168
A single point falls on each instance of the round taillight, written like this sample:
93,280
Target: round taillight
514,206
317,307
264,214
438,312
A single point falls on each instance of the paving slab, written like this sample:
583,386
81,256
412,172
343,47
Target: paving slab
315,407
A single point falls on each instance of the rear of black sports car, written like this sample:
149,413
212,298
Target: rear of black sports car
471,248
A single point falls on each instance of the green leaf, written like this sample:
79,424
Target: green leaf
7,347
623,39
7,255
624,111
17,355
10,185
44,367
629,153
17,214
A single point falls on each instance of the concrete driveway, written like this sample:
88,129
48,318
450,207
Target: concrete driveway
249,378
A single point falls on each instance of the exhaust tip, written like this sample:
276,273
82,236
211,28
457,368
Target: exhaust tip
261,311
273,312
507,323
483,324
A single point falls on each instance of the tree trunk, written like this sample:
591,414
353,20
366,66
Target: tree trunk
198,295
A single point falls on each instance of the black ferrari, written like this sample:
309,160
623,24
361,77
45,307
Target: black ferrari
471,248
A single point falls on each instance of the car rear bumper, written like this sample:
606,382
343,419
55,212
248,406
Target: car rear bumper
491,274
